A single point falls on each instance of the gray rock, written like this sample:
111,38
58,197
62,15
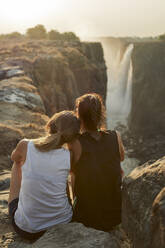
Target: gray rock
4,184
12,92
140,189
73,235
8,72
158,221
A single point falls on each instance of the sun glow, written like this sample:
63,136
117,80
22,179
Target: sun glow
21,12
90,18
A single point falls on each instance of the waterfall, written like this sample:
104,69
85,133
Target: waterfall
119,89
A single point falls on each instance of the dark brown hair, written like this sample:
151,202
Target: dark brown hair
90,109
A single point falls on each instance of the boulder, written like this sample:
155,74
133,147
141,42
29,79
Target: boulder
9,72
140,189
158,221
73,235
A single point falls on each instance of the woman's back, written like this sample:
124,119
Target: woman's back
98,181
43,200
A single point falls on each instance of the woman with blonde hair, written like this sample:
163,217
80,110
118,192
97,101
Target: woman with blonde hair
97,170
38,197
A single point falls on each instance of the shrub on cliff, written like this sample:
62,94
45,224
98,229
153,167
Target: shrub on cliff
69,36
13,35
38,32
162,37
54,35
66,36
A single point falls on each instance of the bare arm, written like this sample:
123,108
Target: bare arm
75,149
121,146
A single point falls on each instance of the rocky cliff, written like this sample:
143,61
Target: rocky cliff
22,112
61,72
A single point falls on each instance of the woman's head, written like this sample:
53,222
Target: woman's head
63,127
91,111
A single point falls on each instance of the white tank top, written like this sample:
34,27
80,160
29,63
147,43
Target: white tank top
43,201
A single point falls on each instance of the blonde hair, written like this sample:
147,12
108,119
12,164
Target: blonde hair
63,127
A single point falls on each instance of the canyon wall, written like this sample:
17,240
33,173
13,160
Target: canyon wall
147,117
60,71
148,102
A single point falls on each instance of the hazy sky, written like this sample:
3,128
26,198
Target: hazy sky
85,17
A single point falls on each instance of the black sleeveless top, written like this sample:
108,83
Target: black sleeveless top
98,182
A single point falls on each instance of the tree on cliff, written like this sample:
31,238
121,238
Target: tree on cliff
54,35
13,35
66,36
162,37
37,32
70,36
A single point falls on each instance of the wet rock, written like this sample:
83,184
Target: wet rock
140,188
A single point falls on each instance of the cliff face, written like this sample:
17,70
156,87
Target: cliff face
21,113
147,117
61,72
70,72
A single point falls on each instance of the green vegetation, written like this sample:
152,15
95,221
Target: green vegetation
39,32
66,36
162,37
54,35
13,35
70,36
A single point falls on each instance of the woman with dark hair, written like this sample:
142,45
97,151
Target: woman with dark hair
96,167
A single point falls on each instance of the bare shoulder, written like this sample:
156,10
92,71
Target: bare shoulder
22,145
74,145
75,148
19,153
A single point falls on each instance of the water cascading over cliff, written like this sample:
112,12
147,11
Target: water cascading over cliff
119,88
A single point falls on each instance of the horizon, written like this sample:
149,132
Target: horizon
127,18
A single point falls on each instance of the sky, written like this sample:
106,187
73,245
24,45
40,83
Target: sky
85,17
